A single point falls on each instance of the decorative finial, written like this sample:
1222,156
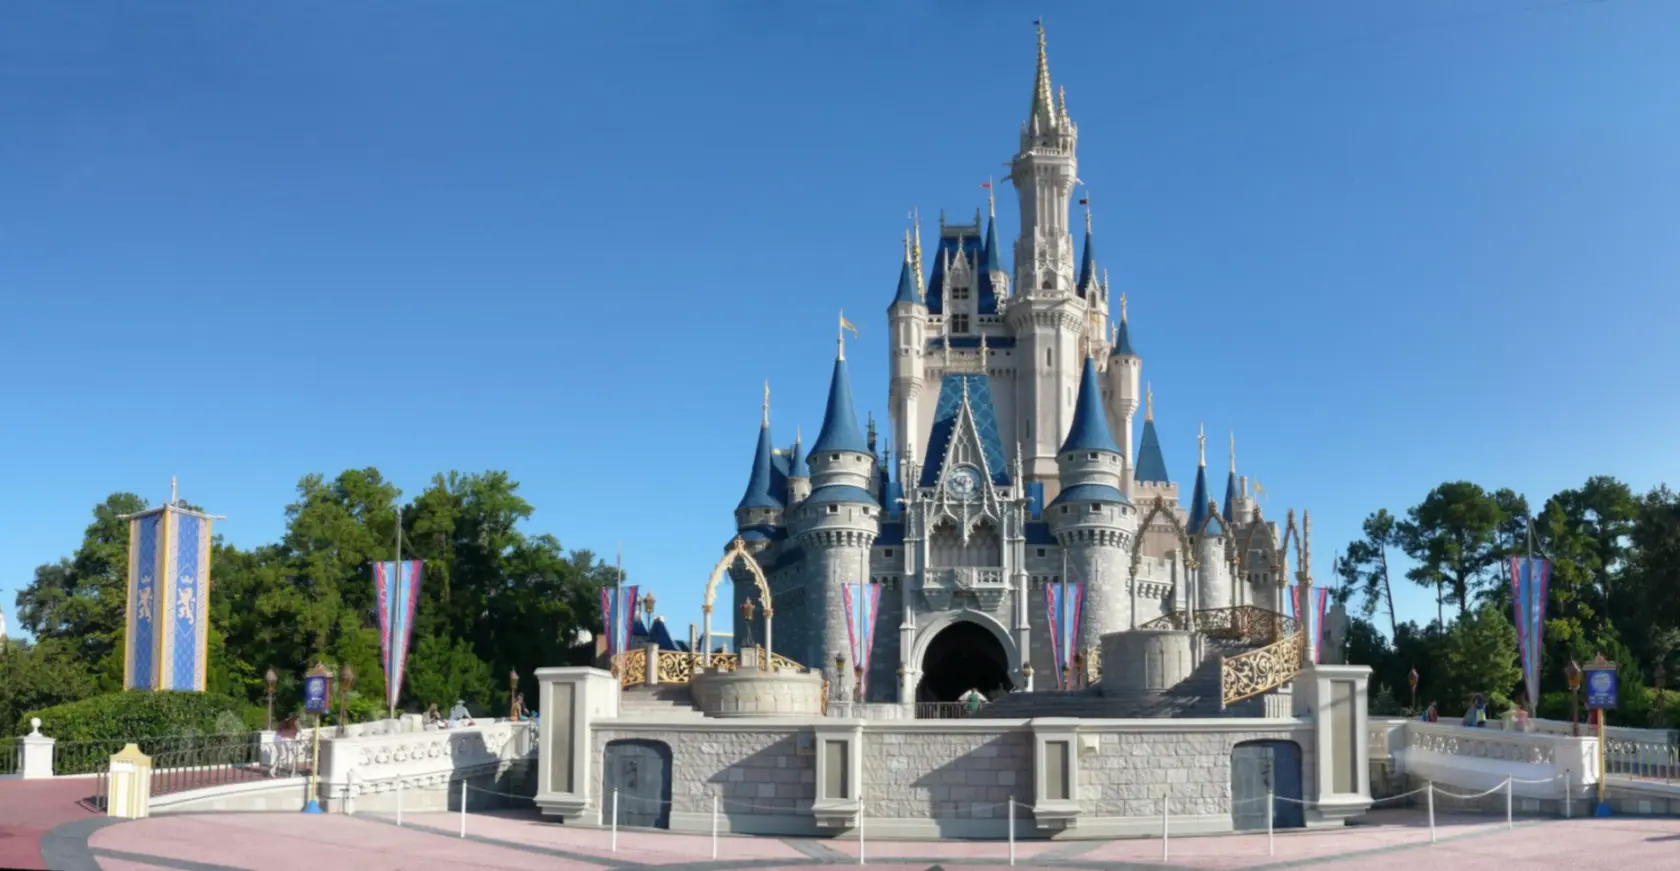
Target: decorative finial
840,340
1233,453
174,495
798,438
1041,85
991,198
1105,282
907,247
1061,101
1148,402
977,221
983,351
1086,202
1201,443
766,420
1122,300
945,328
916,252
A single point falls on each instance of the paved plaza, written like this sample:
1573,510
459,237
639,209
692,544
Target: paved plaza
521,840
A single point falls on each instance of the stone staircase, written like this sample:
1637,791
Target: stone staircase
1197,696
667,703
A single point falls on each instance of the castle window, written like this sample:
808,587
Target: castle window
889,553
959,323
1041,551
959,291
1049,358
834,509
1093,456
834,458
1064,509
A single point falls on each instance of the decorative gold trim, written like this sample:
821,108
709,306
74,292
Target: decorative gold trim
1261,670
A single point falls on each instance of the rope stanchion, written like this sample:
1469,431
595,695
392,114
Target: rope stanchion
861,860
1164,825
1508,788
1430,787
1568,795
399,803
615,821
1271,811
463,808
714,825
1012,830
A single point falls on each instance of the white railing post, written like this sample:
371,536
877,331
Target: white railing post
1430,786
1164,825
1569,795
1508,791
1012,830
1271,805
861,860
463,807
714,824
615,821
399,801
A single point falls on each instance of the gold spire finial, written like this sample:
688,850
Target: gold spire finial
1201,443
766,421
1043,105
1233,453
1148,402
1061,101
916,252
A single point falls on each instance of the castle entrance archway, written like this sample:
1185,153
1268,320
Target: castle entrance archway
961,657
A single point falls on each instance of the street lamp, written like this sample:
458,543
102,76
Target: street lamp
346,680
513,695
647,604
1572,673
1412,679
270,680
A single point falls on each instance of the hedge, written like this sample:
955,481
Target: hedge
136,714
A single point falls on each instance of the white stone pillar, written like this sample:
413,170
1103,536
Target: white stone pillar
37,753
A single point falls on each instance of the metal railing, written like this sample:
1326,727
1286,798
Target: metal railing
947,710
11,756
179,762
1642,759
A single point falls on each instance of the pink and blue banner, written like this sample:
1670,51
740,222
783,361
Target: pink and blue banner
397,585
1063,602
1320,610
862,608
618,617
1530,578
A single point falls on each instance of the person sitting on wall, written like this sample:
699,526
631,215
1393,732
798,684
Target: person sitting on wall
432,719
519,708
1431,715
1476,717
459,716
1519,718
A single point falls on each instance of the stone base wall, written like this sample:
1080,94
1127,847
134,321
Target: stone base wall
1622,802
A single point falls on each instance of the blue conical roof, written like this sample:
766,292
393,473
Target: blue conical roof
1090,425
1229,509
1123,344
758,493
989,260
840,428
1151,466
798,468
1087,265
1199,501
906,285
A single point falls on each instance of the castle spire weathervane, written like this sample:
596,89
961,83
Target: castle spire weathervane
1148,402
767,403
1201,443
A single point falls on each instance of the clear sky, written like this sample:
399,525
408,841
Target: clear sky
1388,243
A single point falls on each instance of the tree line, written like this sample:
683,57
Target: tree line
493,600
1615,558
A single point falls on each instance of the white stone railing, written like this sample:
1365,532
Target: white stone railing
1539,765
377,763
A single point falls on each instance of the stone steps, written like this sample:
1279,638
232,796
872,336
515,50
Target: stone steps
666,702
1197,696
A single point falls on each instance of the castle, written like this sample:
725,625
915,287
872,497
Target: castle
1018,524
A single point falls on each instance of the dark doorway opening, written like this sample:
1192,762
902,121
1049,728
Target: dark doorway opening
963,656
1259,768
640,773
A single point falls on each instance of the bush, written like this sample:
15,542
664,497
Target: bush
136,714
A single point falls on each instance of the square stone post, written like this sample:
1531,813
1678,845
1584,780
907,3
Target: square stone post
571,700
37,762
1333,697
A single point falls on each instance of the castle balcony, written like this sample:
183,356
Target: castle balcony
982,587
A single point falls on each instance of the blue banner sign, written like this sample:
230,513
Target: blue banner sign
1601,687
315,694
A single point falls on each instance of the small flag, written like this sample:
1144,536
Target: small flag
986,185
1084,202
847,325
397,588
1257,488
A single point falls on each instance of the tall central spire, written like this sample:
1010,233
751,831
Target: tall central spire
1043,110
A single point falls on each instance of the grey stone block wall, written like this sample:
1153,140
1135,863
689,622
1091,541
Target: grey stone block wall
885,657
753,770
1130,772
932,775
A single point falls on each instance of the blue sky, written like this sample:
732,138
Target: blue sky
1388,243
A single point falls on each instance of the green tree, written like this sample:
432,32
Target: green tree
39,676
444,670
1364,566
1481,657
1450,534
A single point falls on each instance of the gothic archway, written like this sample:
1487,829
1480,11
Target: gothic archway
964,655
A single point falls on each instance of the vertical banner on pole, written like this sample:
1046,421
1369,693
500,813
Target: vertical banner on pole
397,585
1530,578
1063,611
618,616
862,601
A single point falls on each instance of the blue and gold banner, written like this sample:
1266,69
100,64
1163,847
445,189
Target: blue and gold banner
168,618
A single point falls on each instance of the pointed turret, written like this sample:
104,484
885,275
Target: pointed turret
907,280
840,427
1151,465
1088,263
758,494
1123,335
1233,495
798,468
1042,116
1089,431
1199,500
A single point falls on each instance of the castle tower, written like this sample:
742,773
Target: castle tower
1213,578
758,516
907,318
168,619
1125,374
837,524
1047,315
1091,519
799,473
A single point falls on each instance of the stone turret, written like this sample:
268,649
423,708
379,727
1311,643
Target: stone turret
836,525
1213,577
1091,519
759,514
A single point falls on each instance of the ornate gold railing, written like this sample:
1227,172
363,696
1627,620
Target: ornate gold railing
1242,623
676,666
1263,669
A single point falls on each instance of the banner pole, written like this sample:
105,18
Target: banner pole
1012,830
1431,793
399,802
714,825
1508,789
1271,809
391,598
1164,795
463,807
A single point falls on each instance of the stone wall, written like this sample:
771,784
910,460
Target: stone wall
753,768
934,775
1132,770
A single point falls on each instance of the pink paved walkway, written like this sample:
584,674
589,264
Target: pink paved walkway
519,841
31,808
